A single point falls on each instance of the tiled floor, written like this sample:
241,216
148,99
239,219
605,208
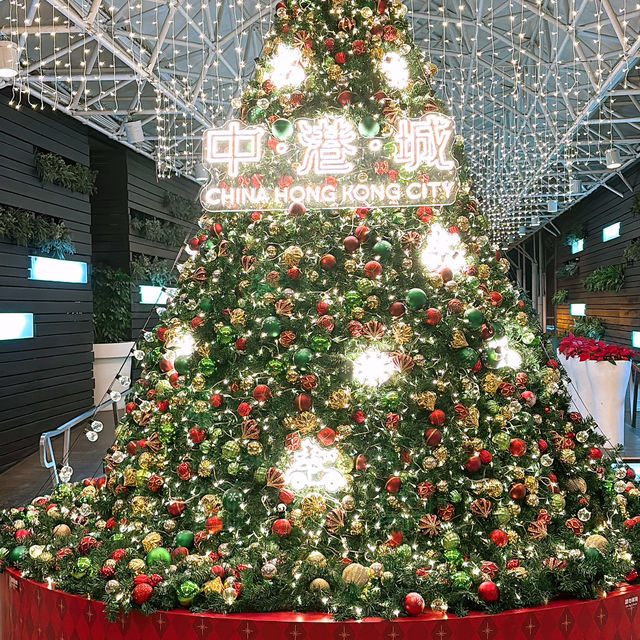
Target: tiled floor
27,479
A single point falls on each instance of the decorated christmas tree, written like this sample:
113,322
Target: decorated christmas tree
344,408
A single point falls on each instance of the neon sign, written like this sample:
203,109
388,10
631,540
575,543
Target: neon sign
327,163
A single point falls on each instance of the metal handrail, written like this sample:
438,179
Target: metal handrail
47,454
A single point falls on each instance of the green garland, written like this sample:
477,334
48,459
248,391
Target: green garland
74,176
29,229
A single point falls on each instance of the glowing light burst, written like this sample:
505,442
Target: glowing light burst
286,67
182,345
443,249
313,466
508,357
373,368
395,70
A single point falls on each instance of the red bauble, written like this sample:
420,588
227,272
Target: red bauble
433,316
499,538
433,437
362,233
362,462
322,307
297,209
632,576
141,593
595,453
161,333
197,322
393,484
397,309
196,435
328,262
413,604
176,507
446,274
262,393
437,417
131,407
518,447
351,244
542,444
166,365
294,273
473,464
244,409
344,98
518,491
485,456
487,331
489,591
496,299
194,243
303,402
241,344
215,400
287,496
282,527
86,544
327,436
340,57
372,269
214,525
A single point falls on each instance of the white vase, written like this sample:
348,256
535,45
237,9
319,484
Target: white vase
608,390
108,361
569,365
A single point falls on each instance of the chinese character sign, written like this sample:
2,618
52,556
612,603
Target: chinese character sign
327,163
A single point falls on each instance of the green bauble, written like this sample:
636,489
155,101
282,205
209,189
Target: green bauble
474,317
207,367
383,249
592,553
271,326
159,555
366,286
368,127
256,114
416,298
16,554
390,149
206,304
282,129
233,468
502,515
502,440
186,592
182,364
117,537
260,474
352,299
225,335
557,502
529,338
302,357
454,557
461,580
230,450
185,539
321,343
163,389
455,496
493,407
469,357
498,329
231,500
450,540
403,551
81,568
391,400
275,367
491,359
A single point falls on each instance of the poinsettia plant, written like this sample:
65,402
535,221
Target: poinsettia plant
589,349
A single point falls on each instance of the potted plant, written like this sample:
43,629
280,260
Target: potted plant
560,297
111,330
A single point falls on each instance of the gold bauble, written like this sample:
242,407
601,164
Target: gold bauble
61,531
334,71
205,468
532,484
313,276
146,461
306,422
212,586
441,454
254,448
293,376
429,463
151,541
319,584
356,528
210,504
140,506
137,566
568,456
317,559
348,503
533,500
435,280
458,340
372,302
376,569
313,504
357,574
407,264
484,271
402,332
463,223
200,406
377,53
198,382
350,266
514,509
427,400
130,477
271,251
344,430
238,318
358,313
522,318
596,541
292,256
340,399
439,605
513,536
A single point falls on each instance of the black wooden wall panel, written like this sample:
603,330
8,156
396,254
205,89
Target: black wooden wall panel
620,311
48,379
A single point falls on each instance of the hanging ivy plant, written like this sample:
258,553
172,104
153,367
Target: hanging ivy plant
576,233
567,270
589,327
157,271
74,176
111,305
181,207
632,252
560,297
150,228
609,278
42,233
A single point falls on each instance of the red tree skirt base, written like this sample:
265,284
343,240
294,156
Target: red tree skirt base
29,610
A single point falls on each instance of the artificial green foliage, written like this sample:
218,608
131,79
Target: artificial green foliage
28,229
567,270
609,278
156,230
181,207
589,327
74,176
318,405
632,252
577,232
111,305
157,271
560,297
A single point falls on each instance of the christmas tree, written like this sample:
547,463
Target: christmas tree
346,409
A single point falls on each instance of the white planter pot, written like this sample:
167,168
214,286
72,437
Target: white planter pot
608,390
107,362
569,365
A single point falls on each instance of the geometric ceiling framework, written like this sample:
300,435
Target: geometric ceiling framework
541,90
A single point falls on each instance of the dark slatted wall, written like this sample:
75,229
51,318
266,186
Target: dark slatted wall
46,379
620,311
